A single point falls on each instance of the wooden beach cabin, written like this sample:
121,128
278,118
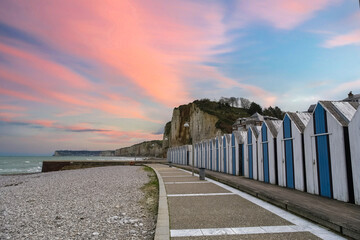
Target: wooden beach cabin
354,134
328,158
211,154
218,154
189,155
267,151
196,155
183,154
251,163
207,152
291,150
225,153
237,152
202,154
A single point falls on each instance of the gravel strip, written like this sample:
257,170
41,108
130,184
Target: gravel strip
95,203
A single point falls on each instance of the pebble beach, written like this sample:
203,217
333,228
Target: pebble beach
94,203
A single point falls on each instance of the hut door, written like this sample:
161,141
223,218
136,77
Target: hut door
265,153
233,157
250,154
206,156
210,156
289,156
217,155
187,157
322,152
241,159
224,158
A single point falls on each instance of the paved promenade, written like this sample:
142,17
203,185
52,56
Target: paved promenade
211,210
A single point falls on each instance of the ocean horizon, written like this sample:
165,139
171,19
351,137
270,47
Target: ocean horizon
33,164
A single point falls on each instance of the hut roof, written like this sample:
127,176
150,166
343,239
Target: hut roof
300,119
256,130
273,126
240,135
343,112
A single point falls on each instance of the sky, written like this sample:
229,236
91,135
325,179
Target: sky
100,75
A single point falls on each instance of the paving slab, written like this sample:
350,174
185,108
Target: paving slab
181,179
219,212
272,236
191,188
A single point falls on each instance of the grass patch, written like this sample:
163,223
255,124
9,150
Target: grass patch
151,191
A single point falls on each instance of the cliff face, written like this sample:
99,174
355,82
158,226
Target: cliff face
144,149
201,126
206,120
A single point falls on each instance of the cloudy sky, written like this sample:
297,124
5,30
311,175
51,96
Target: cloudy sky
106,74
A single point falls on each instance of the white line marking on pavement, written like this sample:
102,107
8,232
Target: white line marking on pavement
185,182
302,224
236,231
199,194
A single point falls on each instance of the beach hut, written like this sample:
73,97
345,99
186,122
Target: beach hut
207,150
218,154
354,134
234,155
189,155
251,163
183,154
240,141
202,164
198,155
267,151
237,152
212,154
225,153
291,151
327,155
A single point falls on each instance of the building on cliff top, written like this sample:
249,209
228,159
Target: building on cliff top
242,124
352,97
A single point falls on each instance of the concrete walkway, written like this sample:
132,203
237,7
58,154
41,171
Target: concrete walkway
340,217
211,210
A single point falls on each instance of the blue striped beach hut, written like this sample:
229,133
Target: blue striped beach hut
218,158
328,158
207,152
238,152
251,153
225,152
291,150
354,132
268,151
212,154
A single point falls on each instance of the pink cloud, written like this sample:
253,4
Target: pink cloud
11,107
283,14
40,64
7,116
60,93
351,38
135,39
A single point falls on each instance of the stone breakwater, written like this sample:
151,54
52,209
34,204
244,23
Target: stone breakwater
95,203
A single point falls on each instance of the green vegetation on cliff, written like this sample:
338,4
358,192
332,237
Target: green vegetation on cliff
226,114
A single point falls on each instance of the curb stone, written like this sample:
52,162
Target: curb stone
162,231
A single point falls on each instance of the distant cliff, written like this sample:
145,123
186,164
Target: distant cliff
84,153
144,149
206,120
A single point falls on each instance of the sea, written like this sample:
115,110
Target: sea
20,165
